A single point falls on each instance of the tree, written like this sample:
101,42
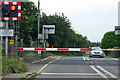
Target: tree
64,36
28,20
110,40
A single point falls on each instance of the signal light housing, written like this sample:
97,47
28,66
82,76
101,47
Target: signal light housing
10,10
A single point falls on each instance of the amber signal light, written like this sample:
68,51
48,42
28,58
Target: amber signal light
12,8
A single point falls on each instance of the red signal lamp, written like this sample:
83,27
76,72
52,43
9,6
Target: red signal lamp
12,7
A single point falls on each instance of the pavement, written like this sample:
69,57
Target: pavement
33,68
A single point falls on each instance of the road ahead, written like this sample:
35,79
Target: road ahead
80,68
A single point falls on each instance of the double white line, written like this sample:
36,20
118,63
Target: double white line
85,58
100,73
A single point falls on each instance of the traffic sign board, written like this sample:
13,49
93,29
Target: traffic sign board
6,32
49,29
11,41
117,30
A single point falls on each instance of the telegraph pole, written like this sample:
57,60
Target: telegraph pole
38,19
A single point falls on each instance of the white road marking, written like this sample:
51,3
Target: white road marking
113,76
43,68
87,58
47,65
40,60
84,58
87,74
35,62
45,59
101,74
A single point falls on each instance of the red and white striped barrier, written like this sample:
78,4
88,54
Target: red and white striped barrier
111,49
55,49
63,49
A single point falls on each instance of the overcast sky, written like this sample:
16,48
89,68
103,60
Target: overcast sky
91,18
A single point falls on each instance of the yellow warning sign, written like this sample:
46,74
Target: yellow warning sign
48,44
11,41
39,52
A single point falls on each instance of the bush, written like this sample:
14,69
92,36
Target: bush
113,54
13,64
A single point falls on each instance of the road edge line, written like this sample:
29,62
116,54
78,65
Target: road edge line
113,76
47,64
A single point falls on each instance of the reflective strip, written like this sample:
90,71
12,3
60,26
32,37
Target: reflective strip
6,18
6,3
28,49
51,49
19,14
14,18
111,49
74,49
19,7
14,3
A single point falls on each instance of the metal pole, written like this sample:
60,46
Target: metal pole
16,43
38,19
1,57
16,39
6,40
43,39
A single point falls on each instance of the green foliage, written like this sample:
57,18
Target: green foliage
61,53
28,20
64,35
13,64
50,54
110,40
113,54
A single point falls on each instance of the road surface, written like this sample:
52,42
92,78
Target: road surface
80,68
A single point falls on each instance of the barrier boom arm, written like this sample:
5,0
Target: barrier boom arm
54,49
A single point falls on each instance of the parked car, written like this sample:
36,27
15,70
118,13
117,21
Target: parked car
96,52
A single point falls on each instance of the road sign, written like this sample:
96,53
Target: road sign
39,52
117,30
49,29
6,32
10,11
11,41
40,36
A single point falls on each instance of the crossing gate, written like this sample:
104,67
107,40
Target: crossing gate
111,49
54,49
62,49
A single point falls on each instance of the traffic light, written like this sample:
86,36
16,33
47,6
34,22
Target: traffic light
10,10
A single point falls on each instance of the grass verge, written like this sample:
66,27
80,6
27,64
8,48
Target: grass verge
13,64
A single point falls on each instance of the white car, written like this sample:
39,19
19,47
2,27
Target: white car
97,52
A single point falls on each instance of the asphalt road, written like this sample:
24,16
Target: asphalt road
83,67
